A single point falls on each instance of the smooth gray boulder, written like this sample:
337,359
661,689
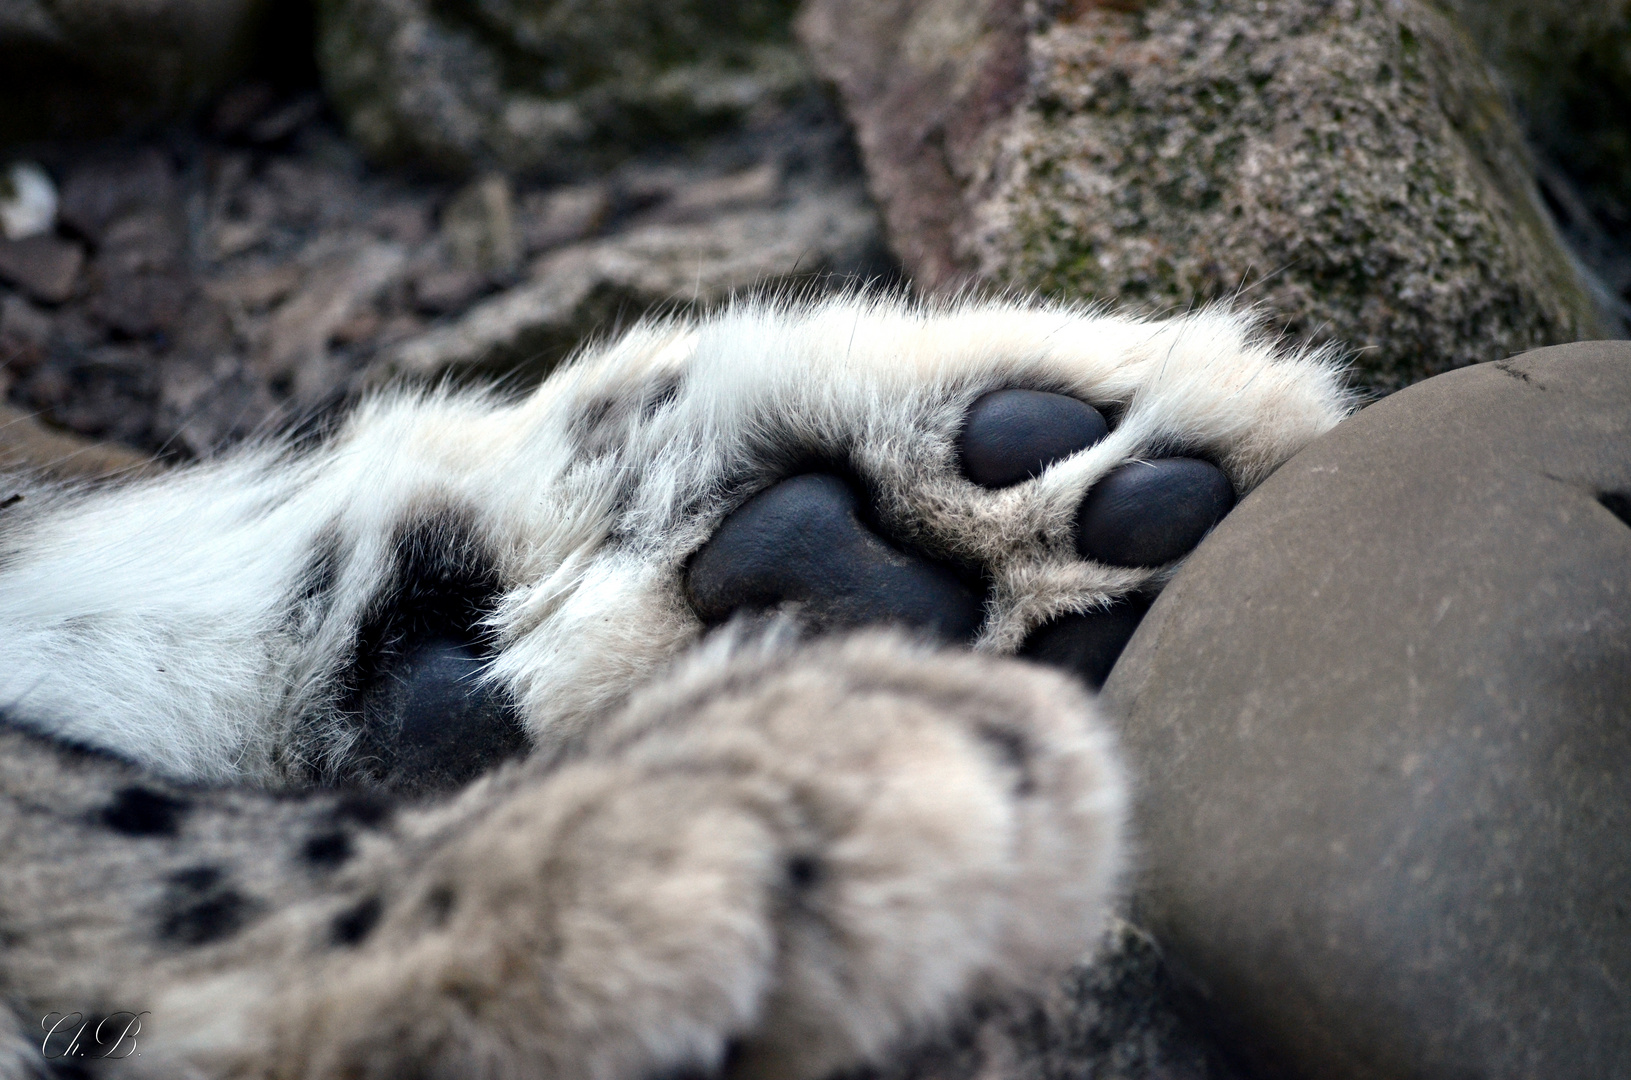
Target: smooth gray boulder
1381,724
1348,165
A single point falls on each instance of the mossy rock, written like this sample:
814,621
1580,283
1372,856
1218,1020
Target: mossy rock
1346,166
549,87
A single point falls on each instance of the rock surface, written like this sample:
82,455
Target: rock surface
44,267
816,233
549,86
1380,725
26,445
74,67
212,283
1346,164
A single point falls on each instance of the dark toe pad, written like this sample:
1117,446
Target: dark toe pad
802,542
1012,435
1150,513
1089,644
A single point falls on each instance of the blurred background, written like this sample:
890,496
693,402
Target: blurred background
222,218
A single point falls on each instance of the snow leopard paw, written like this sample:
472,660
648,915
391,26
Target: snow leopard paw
808,540
1017,518
780,861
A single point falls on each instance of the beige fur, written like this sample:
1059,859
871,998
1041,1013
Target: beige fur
808,853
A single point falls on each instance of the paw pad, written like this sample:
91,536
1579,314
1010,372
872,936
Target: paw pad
1087,644
1010,436
1148,513
802,541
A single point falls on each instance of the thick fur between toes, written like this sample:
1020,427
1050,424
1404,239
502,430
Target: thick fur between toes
807,855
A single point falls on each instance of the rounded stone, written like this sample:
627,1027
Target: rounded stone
1012,435
1148,513
1381,727
802,543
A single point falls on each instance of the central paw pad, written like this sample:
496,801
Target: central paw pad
805,542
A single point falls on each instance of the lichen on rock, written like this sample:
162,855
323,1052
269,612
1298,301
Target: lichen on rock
1346,165
549,87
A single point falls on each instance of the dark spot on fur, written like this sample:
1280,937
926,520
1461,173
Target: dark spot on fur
196,879
200,906
9,501
606,422
600,425
327,849
357,922
803,871
323,570
596,413
1617,503
439,903
140,811
686,1072
734,1051
365,808
1015,753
